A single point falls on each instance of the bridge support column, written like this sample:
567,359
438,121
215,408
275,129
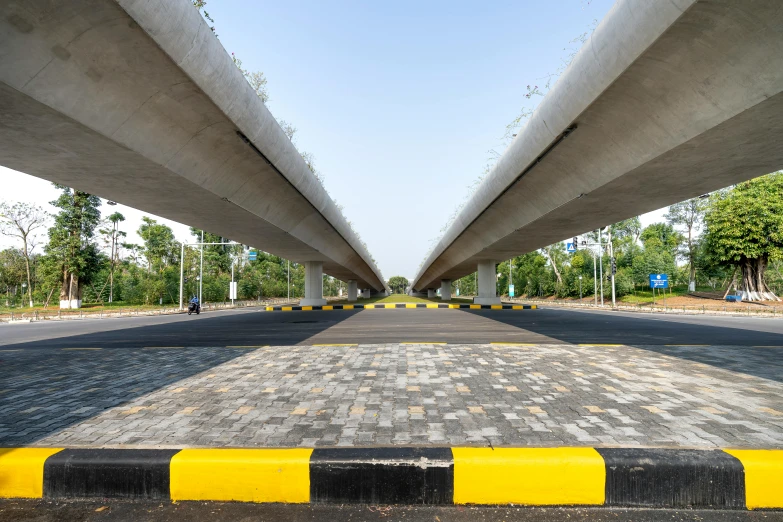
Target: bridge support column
445,289
366,293
430,293
487,284
352,291
314,284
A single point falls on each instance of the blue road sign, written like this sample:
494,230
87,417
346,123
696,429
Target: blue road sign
659,281
511,290
252,255
570,247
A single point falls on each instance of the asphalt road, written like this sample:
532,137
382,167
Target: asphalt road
44,511
258,328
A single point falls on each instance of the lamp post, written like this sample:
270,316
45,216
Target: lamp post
580,289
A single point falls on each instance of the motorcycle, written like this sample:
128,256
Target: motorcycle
194,307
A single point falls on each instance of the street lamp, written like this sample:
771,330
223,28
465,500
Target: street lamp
580,289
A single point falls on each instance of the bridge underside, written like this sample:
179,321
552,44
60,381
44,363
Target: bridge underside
664,102
138,102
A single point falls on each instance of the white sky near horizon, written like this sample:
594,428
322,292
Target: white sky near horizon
398,102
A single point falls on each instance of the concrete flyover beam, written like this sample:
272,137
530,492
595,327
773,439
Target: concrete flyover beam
138,102
665,101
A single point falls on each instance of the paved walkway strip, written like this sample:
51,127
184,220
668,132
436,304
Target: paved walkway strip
611,477
389,306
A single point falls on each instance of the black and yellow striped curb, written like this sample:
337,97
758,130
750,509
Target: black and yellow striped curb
387,306
629,477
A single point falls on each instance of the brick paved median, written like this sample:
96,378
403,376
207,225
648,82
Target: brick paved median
394,394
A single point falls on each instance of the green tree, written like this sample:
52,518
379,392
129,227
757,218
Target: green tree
111,234
398,284
22,221
12,273
160,246
688,214
744,229
71,250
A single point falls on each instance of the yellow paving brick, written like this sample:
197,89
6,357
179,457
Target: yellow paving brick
299,411
476,409
357,410
188,410
536,410
512,389
289,375
415,409
561,388
317,390
244,410
771,411
653,409
463,389
365,389
594,409
412,374
494,374
178,390
413,388
269,390
223,390
455,374
714,411
330,375
610,388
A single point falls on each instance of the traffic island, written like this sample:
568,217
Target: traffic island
389,306
567,476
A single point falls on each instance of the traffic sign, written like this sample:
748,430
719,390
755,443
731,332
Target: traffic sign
511,290
570,247
252,255
659,281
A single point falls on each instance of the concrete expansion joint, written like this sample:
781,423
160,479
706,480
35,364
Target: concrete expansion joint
552,476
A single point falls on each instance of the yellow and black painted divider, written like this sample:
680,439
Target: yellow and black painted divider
388,306
630,477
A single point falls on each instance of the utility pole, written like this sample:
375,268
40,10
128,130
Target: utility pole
289,280
613,267
601,264
201,271
580,289
181,274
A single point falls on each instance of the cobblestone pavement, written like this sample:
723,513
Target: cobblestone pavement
395,394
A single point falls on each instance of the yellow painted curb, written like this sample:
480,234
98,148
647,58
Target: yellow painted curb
245,475
763,477
21,471
532,476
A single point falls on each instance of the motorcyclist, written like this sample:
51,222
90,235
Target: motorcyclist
194,306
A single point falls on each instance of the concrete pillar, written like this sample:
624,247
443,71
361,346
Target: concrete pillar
430,293
445,289
487,284
352,291
314,284
366,293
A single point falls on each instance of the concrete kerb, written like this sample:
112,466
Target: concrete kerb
389,306
610,477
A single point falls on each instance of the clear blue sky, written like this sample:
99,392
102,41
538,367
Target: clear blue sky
399,102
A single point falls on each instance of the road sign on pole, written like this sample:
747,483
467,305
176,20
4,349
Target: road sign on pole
511,290
659,281
570,247
252,255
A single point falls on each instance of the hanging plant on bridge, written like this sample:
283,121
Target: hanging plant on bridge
744,229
